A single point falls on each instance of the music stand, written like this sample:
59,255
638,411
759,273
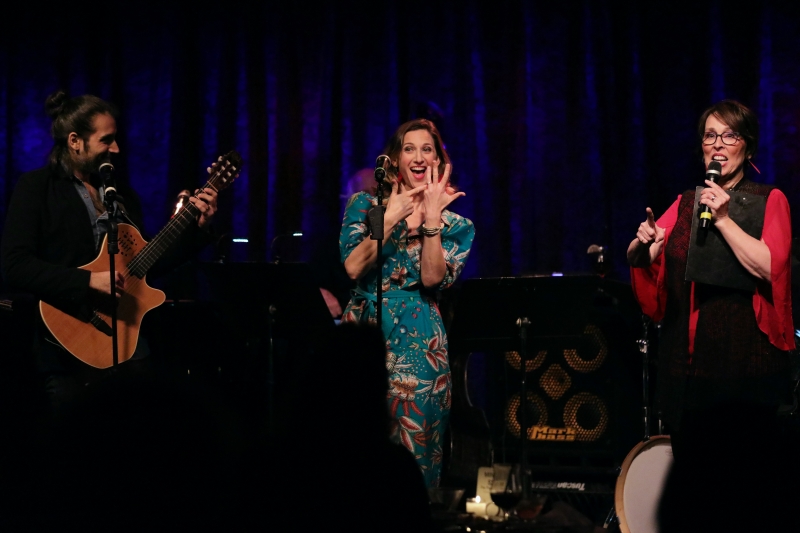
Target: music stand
278,302
488,308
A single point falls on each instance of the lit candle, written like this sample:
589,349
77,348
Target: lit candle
476,506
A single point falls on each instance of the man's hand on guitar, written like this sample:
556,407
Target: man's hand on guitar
101,282
206,202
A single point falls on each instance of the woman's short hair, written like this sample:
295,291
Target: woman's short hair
738,117
395,145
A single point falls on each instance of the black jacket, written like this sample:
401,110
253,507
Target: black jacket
48,236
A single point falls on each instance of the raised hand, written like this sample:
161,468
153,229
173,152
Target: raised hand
649,232
438,193
401,204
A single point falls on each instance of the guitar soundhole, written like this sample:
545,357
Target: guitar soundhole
127,244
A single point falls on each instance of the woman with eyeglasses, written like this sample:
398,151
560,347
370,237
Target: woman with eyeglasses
723,357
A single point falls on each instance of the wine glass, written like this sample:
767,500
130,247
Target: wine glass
506,490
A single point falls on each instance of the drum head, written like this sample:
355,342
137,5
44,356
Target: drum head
640,484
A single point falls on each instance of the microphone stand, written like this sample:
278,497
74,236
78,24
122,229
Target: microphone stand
109,200
644,345
523,323
271,311
376,215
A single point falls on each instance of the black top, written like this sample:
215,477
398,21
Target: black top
733,360
47,235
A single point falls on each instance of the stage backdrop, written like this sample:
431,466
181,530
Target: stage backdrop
564,120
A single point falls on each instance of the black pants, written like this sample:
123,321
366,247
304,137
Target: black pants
732,472
67,391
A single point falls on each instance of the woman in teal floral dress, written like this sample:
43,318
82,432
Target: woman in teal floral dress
425,248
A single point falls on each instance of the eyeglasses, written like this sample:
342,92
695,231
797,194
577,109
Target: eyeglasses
729,137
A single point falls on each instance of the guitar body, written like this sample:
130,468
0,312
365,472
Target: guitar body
86,333
90,341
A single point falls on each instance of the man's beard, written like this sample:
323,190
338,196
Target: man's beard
92,165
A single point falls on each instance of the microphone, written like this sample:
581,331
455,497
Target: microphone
183,199
381,164
106,172
713,173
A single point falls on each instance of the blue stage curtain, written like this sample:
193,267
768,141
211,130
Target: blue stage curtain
564,120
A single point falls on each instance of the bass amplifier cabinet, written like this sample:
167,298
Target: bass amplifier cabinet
581,406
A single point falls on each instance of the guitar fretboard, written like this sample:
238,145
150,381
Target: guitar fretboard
144,260
219,179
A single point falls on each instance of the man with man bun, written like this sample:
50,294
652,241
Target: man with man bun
56,223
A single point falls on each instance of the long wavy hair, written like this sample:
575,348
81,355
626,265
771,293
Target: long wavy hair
395,145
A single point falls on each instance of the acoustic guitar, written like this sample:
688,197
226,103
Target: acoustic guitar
87,334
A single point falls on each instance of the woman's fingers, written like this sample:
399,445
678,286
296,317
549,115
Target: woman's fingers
446,176
714,186
452,197
714,196
650,217
647,229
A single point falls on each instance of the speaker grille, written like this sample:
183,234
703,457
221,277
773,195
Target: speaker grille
514,360
555,381
536,413
588,415
564,399
593,352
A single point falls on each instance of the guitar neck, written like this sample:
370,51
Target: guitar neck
225,170
145,259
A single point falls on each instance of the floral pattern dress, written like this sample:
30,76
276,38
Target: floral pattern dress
416,344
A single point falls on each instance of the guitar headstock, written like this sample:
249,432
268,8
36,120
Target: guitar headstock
225,170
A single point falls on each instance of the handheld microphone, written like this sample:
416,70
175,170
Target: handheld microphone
183,199
713,172
381,164
106,172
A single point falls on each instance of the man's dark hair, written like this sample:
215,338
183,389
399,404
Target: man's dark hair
72,114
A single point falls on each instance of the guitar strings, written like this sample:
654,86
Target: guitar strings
153,250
